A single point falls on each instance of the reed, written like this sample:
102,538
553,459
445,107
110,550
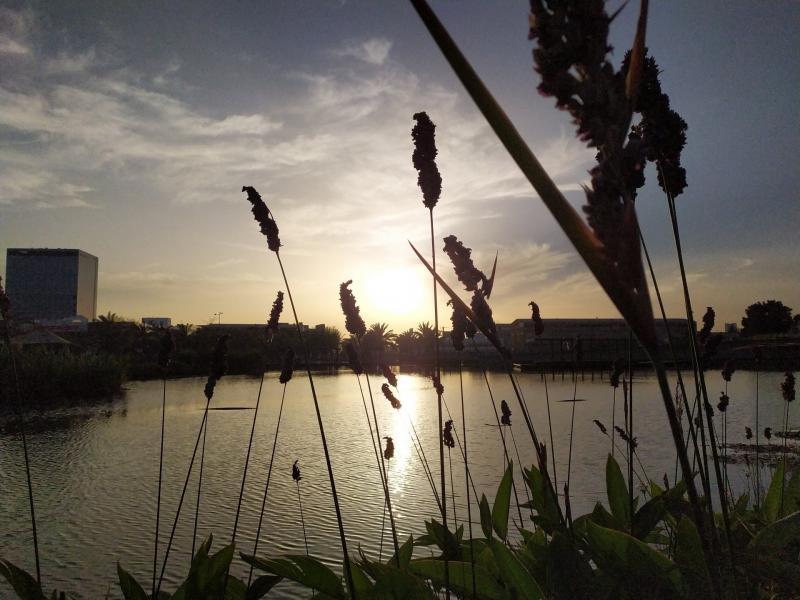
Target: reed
199,490
467,475
416,442
286,375
217,371
5,312
271,329
269,229
357,328
788,393
296,476
429,181
538,329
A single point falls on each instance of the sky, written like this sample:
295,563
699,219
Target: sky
128,129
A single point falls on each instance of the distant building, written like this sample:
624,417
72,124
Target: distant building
157,322
51,284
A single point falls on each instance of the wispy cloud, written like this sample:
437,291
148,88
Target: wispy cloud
374,51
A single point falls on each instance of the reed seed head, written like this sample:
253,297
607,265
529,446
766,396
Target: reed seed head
536,317
748,433
424,159
723,403
262,215
616,373
274,316
353,358
353,322
601,427
505,419
5,303
466,271
389,375
437,384
460,323
787,387
447,434
728,370
287,367
219,365
388,452
296,471
629,440
390,396
166,349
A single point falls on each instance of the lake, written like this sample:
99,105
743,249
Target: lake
95,468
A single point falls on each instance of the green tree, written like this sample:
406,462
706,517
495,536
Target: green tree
375,342
770,316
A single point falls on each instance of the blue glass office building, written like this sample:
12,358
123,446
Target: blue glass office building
45,283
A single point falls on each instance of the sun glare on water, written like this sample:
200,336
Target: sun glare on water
395,293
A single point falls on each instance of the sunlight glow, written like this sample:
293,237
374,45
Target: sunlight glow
395,292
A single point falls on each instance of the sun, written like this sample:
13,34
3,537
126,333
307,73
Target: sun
395,293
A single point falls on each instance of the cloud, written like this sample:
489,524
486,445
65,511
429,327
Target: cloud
374,51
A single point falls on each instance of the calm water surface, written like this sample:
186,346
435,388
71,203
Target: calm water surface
95,468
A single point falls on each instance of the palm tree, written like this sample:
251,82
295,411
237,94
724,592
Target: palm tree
109,317
374,343
407,342
427,338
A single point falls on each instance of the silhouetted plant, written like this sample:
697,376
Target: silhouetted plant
5,312
216,372
269,229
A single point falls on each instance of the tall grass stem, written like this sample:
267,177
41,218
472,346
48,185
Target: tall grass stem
340,523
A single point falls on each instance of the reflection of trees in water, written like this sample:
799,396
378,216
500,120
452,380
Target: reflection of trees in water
66,418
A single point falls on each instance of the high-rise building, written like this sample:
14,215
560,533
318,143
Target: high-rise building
51,284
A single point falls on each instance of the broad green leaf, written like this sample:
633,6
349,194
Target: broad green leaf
501,503
460,578
791,495
772,570
543,500
690,558
131,590
775,537
631,561
363,586
21,581
406,550
772,501
301,569
235,589
447,542
261,586
654,510
514,575
617,491
486,517
217,566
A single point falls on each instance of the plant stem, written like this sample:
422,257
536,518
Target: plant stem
382,468
266,485
183,495
23,435
499,427
199,489
572,428
758,459
443,495
348,573
160,471
467,477
613,418
247,460
629,425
